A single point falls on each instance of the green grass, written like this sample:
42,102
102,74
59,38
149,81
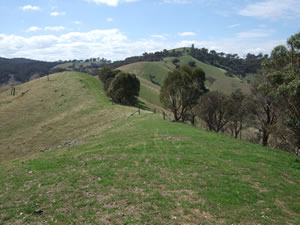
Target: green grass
140,169
150,92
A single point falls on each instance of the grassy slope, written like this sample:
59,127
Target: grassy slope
51,113
160,70
134,169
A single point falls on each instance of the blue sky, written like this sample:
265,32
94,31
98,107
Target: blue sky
115,29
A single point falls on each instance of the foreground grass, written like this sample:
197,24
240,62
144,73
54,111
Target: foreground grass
147,171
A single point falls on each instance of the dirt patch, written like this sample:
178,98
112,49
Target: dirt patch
194,216
185,195
171,138
257,186
289,181
282,206
287,177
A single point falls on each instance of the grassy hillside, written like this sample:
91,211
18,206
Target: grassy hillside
216,78
48,113
127,168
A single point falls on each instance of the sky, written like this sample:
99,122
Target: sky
115,29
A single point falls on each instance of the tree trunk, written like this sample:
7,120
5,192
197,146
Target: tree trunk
265,137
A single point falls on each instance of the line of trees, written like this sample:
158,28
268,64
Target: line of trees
148,57
272,109
232,63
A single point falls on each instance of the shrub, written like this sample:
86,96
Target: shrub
124,88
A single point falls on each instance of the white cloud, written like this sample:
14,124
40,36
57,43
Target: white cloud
177,1
110,44
109,19
107,43
159,36
234,26
272,9
234,45
110,2
30,7
185,34
57,14
113,44
33,29
55,28
254,34
77,22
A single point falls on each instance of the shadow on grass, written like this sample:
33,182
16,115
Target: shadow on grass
135,103
141,105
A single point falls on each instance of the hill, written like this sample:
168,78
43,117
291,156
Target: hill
102,164
216,78
90,66
48,113
20,70
152,74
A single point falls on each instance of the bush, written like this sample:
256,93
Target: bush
106,75
124,88
192,63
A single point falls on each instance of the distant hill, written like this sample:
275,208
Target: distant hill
20,70
152,74
90,66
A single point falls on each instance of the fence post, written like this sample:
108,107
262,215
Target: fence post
164,115
13,91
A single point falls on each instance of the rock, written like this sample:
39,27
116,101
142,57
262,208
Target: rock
43,149
38,212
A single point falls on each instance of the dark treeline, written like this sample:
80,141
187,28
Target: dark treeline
232,63
148,57
23,69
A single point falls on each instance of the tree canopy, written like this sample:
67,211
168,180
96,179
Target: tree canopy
282,72
124,88
181,90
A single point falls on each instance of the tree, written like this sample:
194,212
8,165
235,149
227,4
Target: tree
124,88
215,110
181,90
240,109
282,72
266,110
106,75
